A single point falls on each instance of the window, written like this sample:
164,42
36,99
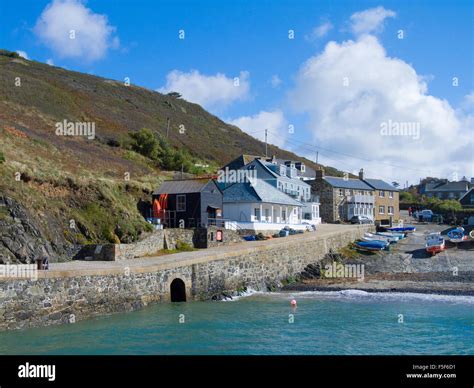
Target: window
381,193
390,194
472,198
283,215
341,192
267,214
181,203
382,209
257,213
303,168
390,210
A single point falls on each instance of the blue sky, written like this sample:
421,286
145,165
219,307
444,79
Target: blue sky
140,40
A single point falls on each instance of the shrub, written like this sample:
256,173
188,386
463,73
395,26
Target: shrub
2,157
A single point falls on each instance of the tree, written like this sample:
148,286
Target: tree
395,184
145,143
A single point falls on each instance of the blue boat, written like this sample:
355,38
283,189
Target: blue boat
372,245
402,229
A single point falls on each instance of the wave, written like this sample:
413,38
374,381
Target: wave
245,294
352,294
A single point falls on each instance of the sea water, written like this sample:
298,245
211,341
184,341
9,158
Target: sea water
336,323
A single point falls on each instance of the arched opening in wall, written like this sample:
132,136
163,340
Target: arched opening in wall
178,290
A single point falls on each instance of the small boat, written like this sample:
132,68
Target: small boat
371,246
391,234
402,229
434,243
457,235
370,237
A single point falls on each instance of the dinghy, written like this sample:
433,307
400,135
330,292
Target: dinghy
372,245
402,229
391,234
371,237
457,235
434,243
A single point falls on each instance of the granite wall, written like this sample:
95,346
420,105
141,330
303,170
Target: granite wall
67,297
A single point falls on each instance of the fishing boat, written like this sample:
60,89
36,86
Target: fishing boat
371,237
391,234
402,229
434,243
457,235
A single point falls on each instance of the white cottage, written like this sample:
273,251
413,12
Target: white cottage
261,207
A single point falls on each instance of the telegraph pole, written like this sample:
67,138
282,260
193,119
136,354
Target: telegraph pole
266,132
167,127
317,156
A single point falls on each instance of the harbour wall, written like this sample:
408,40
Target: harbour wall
68,295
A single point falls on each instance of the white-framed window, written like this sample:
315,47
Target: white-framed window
381,209
283,215
390,194
181,203
381,194
256,213
341,193
267,214
390,210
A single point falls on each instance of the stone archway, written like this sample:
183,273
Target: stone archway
178,290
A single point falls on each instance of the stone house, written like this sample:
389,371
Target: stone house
342,198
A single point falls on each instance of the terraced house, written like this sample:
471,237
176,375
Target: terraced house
386,197
343,198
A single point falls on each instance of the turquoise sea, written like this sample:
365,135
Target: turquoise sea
338,323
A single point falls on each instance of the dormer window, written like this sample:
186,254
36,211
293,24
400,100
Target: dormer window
303,168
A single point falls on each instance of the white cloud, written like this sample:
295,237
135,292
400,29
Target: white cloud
379,89
371,20
22,54
210,91
50,62
275,81
320,31
255,125
73,31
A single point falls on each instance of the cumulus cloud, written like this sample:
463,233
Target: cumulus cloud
22,54
210,91
320,31
371,20
275,81
72,30
353,90
50,62
255,125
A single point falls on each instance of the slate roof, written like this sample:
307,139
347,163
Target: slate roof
182,186
347,183
451,186
261,192
241,161
379,184
283,178
308,173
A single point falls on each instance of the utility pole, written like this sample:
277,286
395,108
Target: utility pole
167,127
266,132
317,156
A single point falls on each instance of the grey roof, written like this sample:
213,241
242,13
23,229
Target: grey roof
379,184
182,186
308,173
284,178
451,186
349,183
260,192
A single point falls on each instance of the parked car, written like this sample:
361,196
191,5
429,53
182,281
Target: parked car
361,220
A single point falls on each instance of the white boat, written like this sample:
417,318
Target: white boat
371,236
391,234
434,243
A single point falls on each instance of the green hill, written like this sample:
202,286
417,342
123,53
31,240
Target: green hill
97,185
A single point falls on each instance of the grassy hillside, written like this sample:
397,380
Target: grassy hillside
99,183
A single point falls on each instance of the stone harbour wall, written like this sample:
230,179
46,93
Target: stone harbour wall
66,297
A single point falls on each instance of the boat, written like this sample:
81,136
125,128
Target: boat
434,243
391,234
402,229
370,237
371,246
457,235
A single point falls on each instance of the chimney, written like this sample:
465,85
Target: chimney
472,180
320,174
361,174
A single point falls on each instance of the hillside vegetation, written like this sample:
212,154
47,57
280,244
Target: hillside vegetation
74,190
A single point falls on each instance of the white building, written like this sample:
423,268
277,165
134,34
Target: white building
262,207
